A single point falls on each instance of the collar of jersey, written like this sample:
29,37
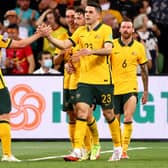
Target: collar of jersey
122,44
96,27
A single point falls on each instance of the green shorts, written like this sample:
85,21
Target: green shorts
120,100
5,101
72,99
95,94
67,102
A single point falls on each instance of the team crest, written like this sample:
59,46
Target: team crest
133,53
97,37
77,95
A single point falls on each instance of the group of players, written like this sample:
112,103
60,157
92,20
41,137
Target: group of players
94,62
98,70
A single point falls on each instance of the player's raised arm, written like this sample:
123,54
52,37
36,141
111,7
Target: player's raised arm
29,40
61,44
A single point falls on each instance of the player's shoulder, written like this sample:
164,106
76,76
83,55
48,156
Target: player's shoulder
82,28
138,44
116,41
105,26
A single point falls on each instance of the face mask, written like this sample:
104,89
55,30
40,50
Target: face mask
105,6
148,10
149,24
48,63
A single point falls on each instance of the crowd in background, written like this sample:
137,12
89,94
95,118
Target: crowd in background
19,19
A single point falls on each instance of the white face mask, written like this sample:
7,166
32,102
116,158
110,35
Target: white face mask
48,63
149,24
105,6
148,10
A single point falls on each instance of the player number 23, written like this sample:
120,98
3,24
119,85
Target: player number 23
106,98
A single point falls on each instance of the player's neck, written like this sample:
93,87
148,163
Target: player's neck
126,41
92,26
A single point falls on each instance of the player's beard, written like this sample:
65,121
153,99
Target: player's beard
126,35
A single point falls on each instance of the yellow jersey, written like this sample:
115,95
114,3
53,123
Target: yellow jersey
74,77
64,36
47,46
94,69
125,60
3,44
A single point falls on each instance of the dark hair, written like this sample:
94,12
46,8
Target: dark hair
126,19
70,8
80,10
39,57
95,4
13,26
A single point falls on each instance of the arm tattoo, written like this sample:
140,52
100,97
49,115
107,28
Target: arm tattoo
144,74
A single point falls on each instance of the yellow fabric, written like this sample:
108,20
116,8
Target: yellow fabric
80,132
47,46
126,138
2,81
74,77
124,66
94,131
88,140
64,36
4,44
67,75
72,133
5,136
115,132
92,65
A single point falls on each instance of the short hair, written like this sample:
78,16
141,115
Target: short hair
80,10
95,4
126,19
70,8
39,57
13,26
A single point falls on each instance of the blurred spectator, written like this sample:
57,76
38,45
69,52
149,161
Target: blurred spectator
110,20
45,61
127,8
1,28
105,5
83,3
11,17
50,18
6,5
26,15
144,7
47,4
159,15
61,5
28,19
143,30
21,60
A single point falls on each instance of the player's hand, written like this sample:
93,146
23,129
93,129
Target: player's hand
69,68
145,97
84,52
75,58
44,30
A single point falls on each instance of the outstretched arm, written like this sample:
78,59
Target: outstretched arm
24,42
61,44
29,40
